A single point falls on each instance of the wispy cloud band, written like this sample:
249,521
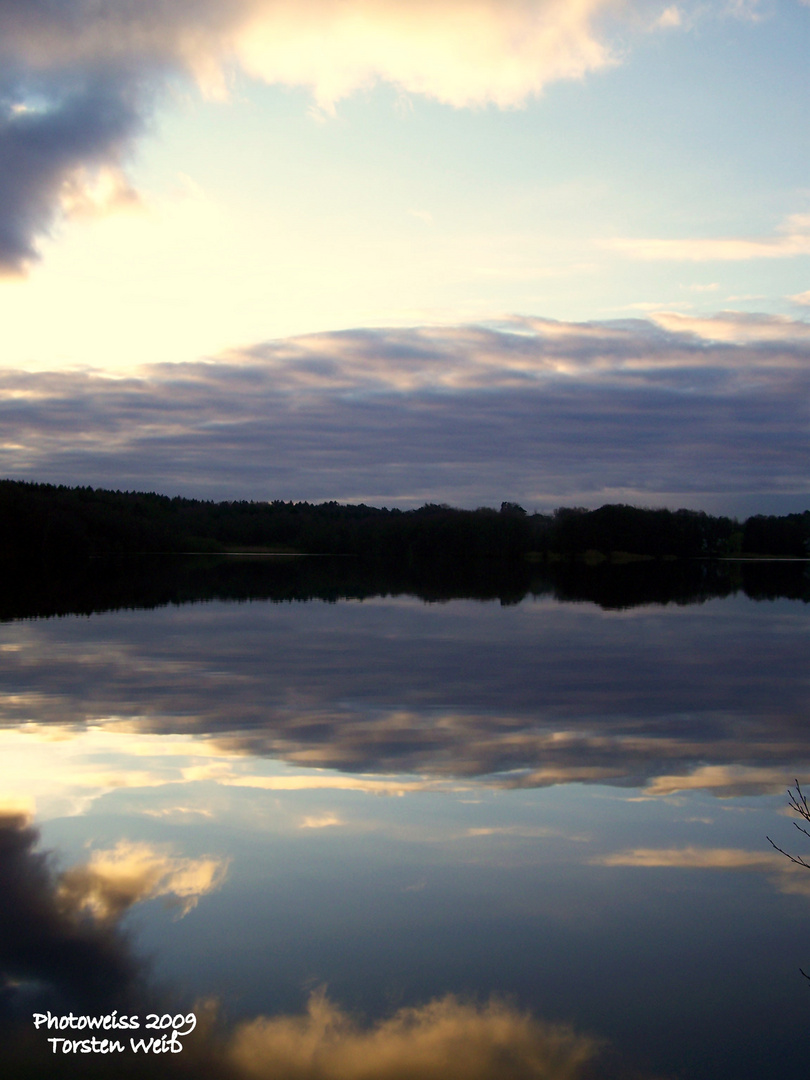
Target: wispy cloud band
790,239
545,412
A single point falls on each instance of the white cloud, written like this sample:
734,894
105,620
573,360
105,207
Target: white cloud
463,52
747,10
446,1038
521,832
791,238
735,327
320,821
692,858
722,780
308,782
670,17
114,879
787,877
94,193
487,51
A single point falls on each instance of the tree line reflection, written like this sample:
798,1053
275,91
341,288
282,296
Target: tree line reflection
667,696
31,590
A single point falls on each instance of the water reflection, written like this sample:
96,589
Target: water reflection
506,910
37,590
50,954
711,696
62,952
445,1039
459,817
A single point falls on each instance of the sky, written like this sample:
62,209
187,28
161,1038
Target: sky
400,251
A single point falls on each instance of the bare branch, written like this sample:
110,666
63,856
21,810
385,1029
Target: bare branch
793,858
798,802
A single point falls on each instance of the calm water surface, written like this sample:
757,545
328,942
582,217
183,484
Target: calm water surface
541,825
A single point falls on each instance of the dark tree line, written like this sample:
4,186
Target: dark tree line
56,523
787,536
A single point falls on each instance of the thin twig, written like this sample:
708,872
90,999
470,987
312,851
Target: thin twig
793,858
797,802
800,804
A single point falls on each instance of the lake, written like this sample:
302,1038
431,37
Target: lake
467,824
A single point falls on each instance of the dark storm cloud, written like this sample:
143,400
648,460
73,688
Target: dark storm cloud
77,83
57,959
539,411
40,153
44,941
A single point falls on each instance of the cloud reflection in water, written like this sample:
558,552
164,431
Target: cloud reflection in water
711,697
270,717
61,948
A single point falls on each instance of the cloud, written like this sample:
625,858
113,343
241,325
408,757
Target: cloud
463,53
666,410
76,85
320,821
722,780
445,1040
115,879
44,940
486,51
58,955
783,875
79,79
792,238
16,808
692,858
312,782
89,193
523,832
670,17
747,10
55,157
710,702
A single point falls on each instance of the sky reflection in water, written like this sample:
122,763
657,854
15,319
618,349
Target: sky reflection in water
560,805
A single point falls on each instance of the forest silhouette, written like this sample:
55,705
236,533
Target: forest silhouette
46,521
